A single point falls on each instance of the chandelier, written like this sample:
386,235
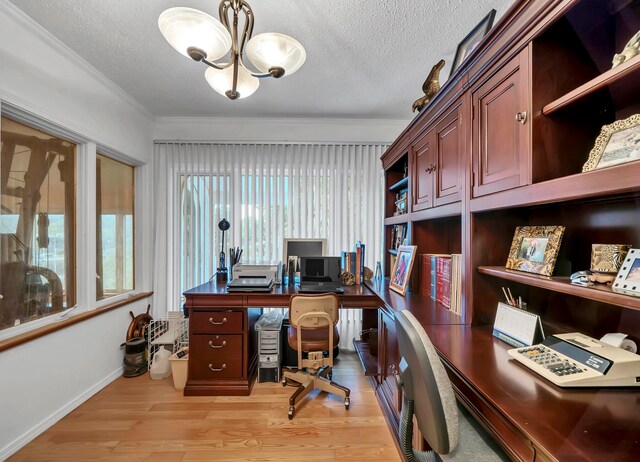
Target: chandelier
203,38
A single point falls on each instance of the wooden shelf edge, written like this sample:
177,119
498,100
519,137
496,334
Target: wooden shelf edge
56,326
368,361
402,184
618,179
443,211
593,85
397,220
599,292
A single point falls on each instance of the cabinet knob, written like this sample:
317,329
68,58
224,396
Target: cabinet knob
223,344
521,117
217,323
224,366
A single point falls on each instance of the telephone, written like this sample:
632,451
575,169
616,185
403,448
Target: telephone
576,360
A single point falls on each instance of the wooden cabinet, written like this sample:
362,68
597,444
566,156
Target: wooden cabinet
448,136
501,121
435,161
222,350
388,361
423,169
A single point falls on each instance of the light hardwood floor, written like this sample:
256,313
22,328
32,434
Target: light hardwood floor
144,420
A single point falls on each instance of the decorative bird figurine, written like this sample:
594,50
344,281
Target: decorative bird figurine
430,87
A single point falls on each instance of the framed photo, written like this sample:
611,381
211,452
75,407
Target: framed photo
617,143
471,41
402,268
534,249
628,278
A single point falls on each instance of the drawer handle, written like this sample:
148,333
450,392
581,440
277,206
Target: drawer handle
224,366
217,323
224,343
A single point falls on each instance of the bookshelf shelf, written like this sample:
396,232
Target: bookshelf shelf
619,179
598,292
397,220
368,361
629,70
400,185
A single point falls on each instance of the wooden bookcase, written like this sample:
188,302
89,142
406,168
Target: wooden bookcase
503,145
505,142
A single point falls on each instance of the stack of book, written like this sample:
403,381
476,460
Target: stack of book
441,279
353,262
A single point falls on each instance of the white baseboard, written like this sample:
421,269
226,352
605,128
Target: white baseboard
30,435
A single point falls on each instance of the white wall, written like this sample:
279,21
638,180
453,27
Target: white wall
44,379
293,130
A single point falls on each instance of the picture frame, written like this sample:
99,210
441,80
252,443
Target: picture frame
628,278
401,270
617,143
534,249
471,41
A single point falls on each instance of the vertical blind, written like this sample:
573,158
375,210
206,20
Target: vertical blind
268,192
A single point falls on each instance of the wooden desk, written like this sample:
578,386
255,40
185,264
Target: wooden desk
223,355
531,418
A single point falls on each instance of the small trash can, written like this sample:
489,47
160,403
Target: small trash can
179,367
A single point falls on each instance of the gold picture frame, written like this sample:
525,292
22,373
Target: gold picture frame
401,271
534,249
618,143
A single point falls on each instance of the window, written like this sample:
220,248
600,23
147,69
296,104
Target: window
114,227
37,224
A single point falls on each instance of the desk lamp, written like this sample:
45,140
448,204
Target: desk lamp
223,225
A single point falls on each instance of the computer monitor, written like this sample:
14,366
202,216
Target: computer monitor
320,269
294,249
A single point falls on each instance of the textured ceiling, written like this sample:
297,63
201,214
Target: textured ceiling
365,58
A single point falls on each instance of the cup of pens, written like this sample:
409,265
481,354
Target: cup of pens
235,254
513,301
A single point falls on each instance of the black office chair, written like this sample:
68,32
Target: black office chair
428,394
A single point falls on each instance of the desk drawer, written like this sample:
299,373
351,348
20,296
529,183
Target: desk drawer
216,357
214,322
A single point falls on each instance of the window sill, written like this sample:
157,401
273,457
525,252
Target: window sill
58,325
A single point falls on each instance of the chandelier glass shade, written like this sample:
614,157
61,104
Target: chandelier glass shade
203,38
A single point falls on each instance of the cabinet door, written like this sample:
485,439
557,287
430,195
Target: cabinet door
501,133
423,164
389,358
448,138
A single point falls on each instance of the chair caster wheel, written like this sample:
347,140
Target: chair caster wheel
290,414
347,402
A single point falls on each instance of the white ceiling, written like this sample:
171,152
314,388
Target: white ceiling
365,58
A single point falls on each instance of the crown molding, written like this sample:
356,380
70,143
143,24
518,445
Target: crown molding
282,120
19,16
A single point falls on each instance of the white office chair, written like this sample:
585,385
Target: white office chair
428,394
